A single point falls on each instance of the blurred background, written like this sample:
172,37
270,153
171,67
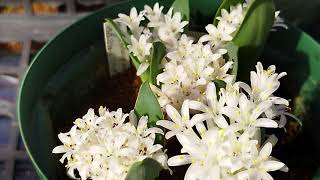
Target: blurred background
26,25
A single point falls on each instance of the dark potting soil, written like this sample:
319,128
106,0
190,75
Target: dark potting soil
295,148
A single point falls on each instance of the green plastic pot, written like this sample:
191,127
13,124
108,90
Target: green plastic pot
69,70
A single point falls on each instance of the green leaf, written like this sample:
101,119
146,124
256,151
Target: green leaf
225,5
252,35
148,169
157,54
147,105
233,56
123,39
182,6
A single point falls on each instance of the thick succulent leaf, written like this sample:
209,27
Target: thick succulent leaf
182,6
233,56
225,5
148,169
123,38
147,105
157,54
252,35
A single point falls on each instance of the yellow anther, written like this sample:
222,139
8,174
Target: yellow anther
174,116
258,146
269,71
252,119
193,161
255,161
202,133
184,118
221,134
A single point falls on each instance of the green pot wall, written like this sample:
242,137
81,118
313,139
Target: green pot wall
69,69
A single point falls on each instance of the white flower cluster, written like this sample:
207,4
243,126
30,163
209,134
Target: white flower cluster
228,24
166,28
222,139
191,66
188,66
106,145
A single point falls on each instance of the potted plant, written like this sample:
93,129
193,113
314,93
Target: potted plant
186,82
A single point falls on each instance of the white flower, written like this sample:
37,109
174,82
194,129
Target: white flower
172,27
180,122
202,153
183,49
132,21
247,116
261,164
264,82
141,49
172,73
278,22
231,94
228,24
237,151
154,15
106,146
212,110
215,36
221,70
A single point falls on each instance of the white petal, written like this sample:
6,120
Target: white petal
273,165
262,107
127,152
142,124
211,94
195,172
265,151
201,129
265,176
185,110
173,114
179,160
60,149
168,125
197,118
142,68
211,136
232,112
197,106
170,134
221,121
154,148
189,146
265,122
153,130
